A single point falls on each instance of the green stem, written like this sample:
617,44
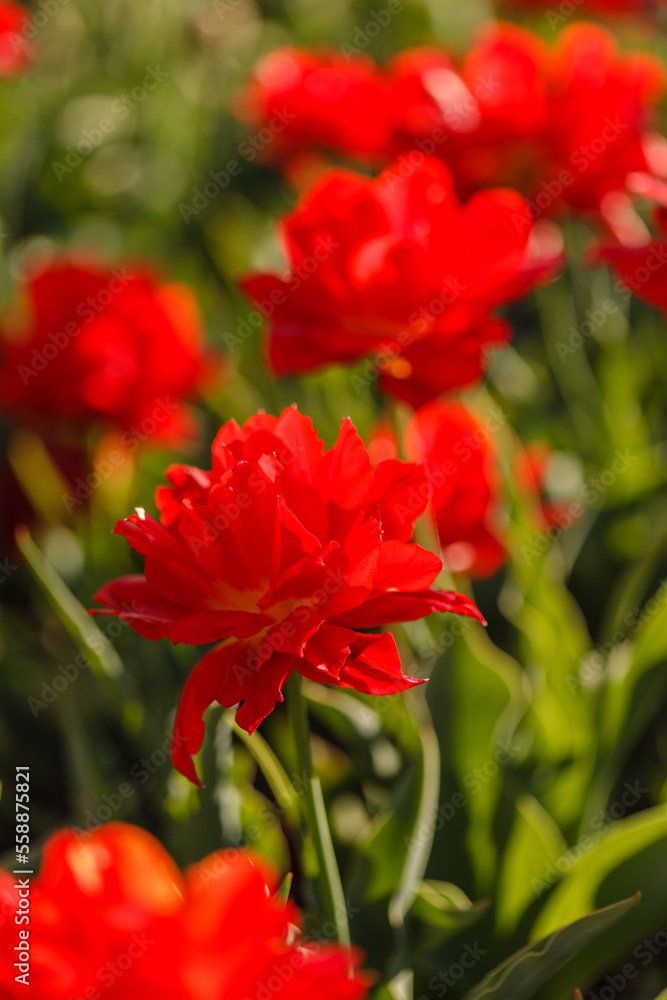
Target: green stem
329,883
271,768
98,650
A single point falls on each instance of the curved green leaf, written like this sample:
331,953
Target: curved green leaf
489,701
631,856
527,970
575,894
439,911
95,646
535,843
421,840
628,664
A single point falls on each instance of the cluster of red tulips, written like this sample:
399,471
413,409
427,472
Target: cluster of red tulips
431,194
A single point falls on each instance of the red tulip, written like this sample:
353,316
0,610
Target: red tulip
467,502
530,471
641,270
563,124
16,52
468,505
396,268
112,916
299,99
280,554
102,345
556,17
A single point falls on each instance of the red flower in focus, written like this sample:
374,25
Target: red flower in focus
466,489
396,267
16,52
112,915
564,125
106,345
323,99
282,551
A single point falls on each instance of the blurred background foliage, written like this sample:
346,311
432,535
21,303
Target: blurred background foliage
527,787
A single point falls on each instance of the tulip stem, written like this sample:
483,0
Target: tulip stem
282,788
329,883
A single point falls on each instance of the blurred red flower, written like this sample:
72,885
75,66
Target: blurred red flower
530,468
395,267
642,269
111,915
93,344
467,504
556,18
299,99
564,125
16,52
282,551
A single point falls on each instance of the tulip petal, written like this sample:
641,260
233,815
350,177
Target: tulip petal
135,601
374,666
405,567
228,674
387,608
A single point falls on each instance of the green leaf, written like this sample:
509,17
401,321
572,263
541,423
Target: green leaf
630,855
384,847
575,894
624,714
283,890
95,646
421,840
442,904
527,970
489,700
561,709
632,694
382,992
439,911
534,843
651,643
554,639
39,476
